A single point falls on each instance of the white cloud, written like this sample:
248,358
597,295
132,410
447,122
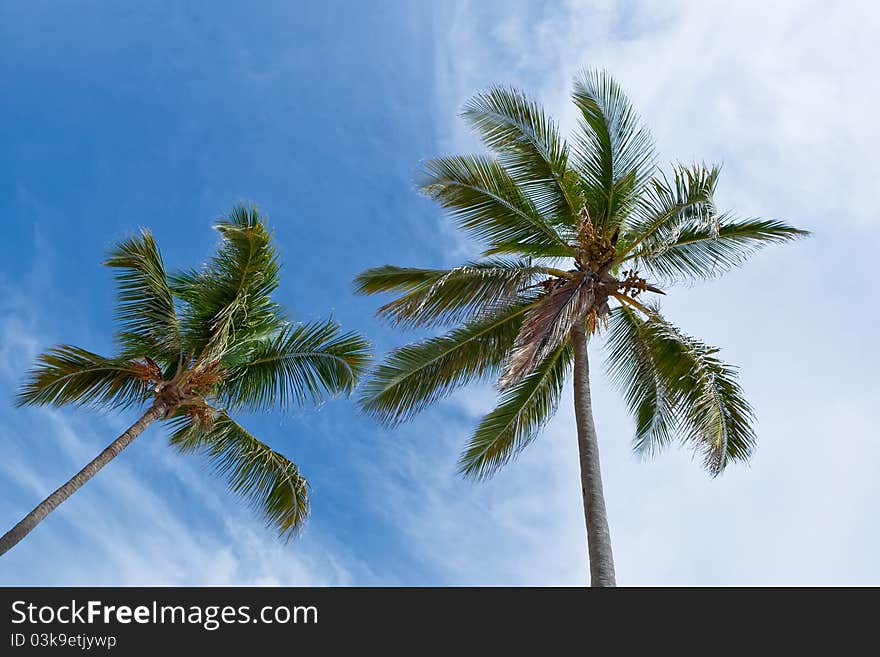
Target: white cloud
149,518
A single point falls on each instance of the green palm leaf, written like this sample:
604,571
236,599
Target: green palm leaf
417,375
70,375
301,363
444,296
631,367
701,252
615,152
522,412
529,147
668,205
229,299
146,312
269,481
709,402
488,203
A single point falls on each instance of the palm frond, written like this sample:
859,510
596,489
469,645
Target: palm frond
445,296
529,147
488,203
547,325
270,482
667,205
550,255
417,375
146,313
701,252
301,363
71,375
614,151
522,412
631,368
708,402
229,299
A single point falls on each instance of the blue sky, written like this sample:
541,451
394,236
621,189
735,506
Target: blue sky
115,118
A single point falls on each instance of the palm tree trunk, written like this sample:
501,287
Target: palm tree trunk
44,508
598,535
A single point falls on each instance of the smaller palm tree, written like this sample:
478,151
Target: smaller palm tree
193,348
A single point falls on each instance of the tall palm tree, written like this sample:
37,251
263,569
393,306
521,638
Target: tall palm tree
575,237
193,348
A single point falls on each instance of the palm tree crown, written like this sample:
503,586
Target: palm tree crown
202,344
576,236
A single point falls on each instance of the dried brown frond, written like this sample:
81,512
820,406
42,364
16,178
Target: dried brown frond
548,324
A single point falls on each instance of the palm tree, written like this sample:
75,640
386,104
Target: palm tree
574,237
193,348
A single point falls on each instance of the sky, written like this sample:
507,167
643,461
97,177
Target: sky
120,115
